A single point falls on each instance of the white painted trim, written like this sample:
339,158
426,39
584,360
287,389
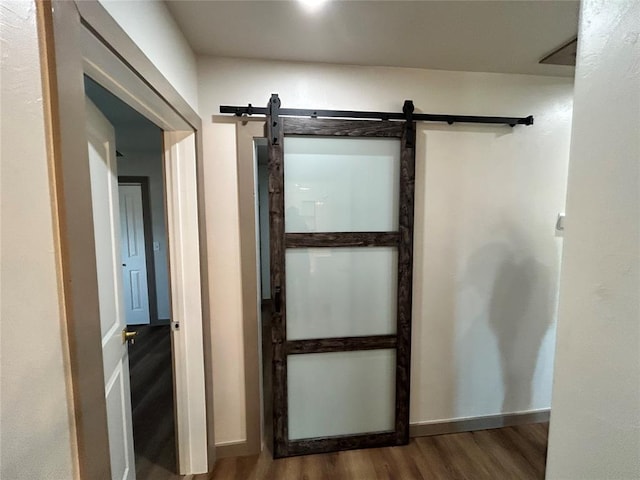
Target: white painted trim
186,308
231,443
470,424
104,67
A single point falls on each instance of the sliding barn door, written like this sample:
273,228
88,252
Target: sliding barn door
341,227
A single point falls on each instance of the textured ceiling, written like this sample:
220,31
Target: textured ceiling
475,35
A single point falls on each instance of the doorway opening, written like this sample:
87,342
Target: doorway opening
262,201
145,291
261,165
80,39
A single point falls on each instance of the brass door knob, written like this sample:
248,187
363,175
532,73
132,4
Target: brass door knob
128,336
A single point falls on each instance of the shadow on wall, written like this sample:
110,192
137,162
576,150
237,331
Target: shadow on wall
520,307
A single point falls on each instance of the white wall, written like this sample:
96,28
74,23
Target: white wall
142,156
37,434
153,29
486,257
595,421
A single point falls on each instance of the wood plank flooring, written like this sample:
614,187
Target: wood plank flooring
151,376
511,453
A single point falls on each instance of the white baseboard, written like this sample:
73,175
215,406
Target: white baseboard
441,427
425,429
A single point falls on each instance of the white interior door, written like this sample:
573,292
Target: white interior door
134,261
104,194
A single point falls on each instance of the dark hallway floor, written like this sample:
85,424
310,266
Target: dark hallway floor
151,376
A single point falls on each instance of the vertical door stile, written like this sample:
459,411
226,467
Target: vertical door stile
278,317
405,279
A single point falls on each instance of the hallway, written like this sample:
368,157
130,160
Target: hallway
152,403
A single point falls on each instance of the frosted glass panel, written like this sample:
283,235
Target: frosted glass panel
341,292
341,184
341,393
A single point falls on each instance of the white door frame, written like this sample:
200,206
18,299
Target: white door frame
81,37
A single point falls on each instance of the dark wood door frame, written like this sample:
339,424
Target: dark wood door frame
402,239
148,241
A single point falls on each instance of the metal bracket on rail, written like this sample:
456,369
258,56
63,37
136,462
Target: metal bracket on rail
407,109
273,111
